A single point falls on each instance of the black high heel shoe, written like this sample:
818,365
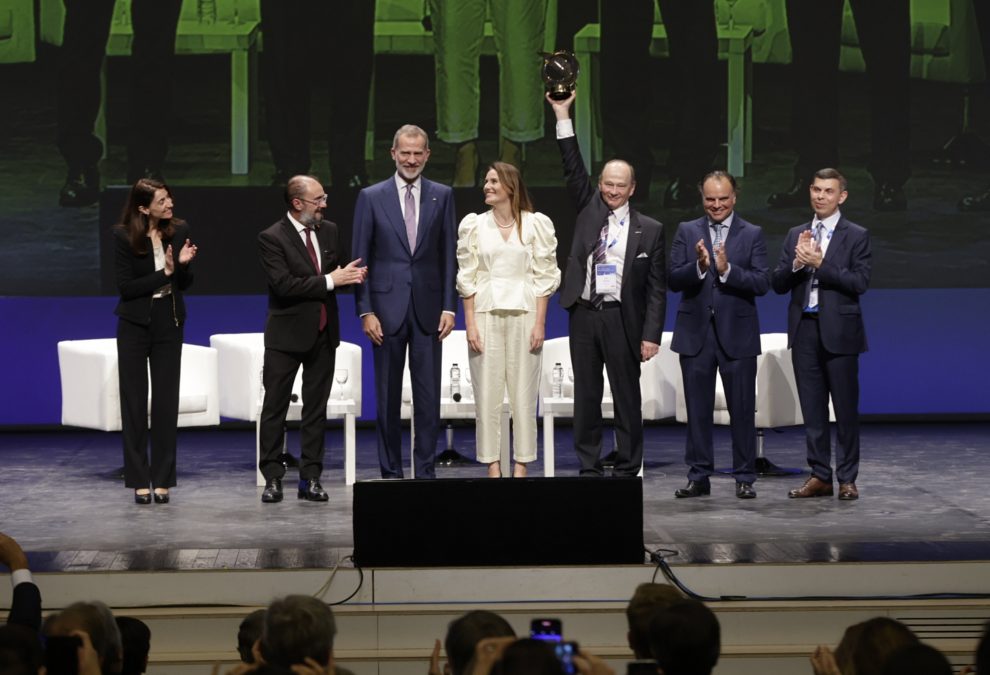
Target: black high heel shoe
161,498
142,499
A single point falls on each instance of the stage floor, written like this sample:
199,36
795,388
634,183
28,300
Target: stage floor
922,486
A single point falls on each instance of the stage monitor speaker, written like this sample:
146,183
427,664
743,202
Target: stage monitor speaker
488,522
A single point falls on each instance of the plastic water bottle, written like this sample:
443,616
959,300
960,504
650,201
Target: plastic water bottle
207,11
455,383
557,380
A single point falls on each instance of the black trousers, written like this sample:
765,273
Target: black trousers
597,339
158,346
884,30
627,29
84,45
279,374
820,374
293,30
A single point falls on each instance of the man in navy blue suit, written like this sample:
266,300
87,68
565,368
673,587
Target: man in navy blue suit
825,265
719,265
405,231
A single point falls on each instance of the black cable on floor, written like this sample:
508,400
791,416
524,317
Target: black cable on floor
659,556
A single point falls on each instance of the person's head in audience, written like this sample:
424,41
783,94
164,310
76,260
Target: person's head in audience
135,637
295,628
465,632
865,646
248,633
645,602
983,651
528,657
919,659
95,619
20,651
685,638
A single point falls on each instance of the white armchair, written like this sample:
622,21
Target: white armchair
657,381
241,357
91,391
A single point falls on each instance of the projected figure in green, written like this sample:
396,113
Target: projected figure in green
458,27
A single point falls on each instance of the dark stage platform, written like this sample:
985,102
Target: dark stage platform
923,488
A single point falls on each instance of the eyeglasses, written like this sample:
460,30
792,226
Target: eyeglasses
322,199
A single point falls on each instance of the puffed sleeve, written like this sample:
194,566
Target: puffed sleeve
546,274
467,256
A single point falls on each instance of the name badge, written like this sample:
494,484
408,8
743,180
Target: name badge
605,279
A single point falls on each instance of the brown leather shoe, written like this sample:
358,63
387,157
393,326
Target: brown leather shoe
813,487
848,492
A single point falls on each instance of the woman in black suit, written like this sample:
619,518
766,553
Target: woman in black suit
152,259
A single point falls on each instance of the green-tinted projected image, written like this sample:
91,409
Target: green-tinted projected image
238,94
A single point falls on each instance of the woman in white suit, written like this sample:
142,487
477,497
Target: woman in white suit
507,271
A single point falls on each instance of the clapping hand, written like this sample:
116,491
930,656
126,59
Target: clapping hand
353,273
721,260
703,260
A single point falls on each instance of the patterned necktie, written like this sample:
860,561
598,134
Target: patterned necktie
717,241
410,218
316,266
813,280
598,258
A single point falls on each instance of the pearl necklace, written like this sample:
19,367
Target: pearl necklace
500,225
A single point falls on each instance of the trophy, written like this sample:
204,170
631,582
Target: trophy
559,72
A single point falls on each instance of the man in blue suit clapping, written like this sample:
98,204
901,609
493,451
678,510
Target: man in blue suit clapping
719,265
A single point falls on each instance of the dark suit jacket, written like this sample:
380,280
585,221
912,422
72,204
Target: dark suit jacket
25,606
844,275
397,276
734,302
137,279
644,286
295,290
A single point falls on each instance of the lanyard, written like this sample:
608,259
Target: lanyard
621,224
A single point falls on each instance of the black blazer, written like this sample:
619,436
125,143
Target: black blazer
843,276
644,283
295,290
137,279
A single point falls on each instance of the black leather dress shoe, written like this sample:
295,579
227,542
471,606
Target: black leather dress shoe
161,498
679,194
976,203
694,488
796,195
745,490
81,188
312,491
142,498
273,491
888,197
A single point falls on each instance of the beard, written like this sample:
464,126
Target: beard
311,219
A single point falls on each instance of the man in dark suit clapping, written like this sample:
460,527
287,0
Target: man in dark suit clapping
300,255
719,264
825,265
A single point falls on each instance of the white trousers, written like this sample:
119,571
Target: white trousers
505,363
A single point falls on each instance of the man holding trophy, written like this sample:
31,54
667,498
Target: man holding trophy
614,289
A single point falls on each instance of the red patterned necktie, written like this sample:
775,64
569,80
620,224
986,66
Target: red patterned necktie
316,266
